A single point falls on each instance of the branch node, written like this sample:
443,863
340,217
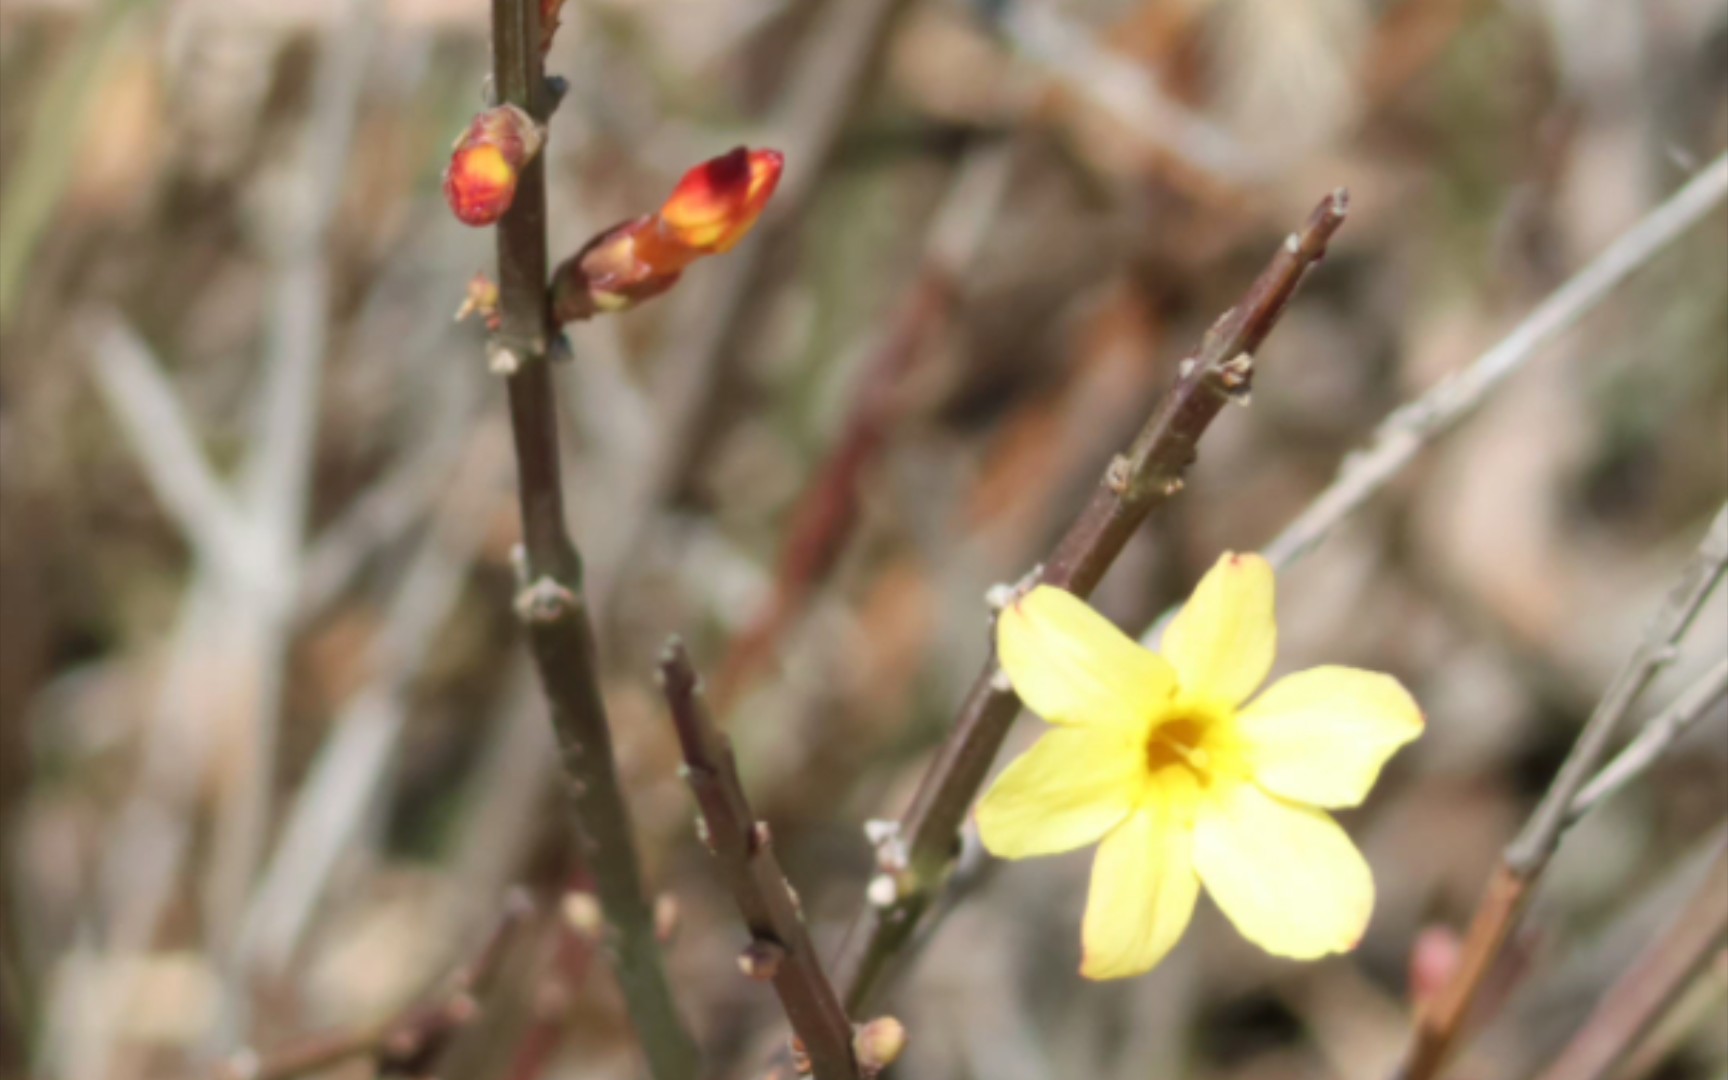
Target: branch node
544,601
1120,474
501,360
761,959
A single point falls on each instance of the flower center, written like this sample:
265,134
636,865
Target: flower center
1180,742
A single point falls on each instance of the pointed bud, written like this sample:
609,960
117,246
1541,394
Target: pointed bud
717,203
712,209
488,159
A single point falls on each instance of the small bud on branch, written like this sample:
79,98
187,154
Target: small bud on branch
711,210
486,162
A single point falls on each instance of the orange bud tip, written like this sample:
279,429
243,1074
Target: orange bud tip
717,203
480,183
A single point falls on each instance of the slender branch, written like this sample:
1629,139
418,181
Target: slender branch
828,510
1645,992
916,861
551,603
780,947
1406,431
1653,741
1440,1024
409,1043
142,398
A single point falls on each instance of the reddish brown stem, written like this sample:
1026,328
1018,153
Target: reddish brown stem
780,947
828,510
1136,483
410,1043
1649,988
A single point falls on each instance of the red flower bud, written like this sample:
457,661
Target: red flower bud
480,183
713,207
718,201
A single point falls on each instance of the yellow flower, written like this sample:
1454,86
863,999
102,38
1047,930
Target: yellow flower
1182,781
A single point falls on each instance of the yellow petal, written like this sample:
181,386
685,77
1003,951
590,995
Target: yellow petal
1071,788
1143,891
1071,665
1221,642
1320,736
1286,875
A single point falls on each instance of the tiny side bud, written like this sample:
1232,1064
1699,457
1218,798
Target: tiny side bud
761,959
487,161
878,1045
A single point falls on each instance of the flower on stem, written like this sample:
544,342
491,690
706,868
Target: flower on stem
486,162
1182,780
713,207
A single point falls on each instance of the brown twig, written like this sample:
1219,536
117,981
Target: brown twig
410,1043
780,948
1441,1022
916,860
827,511
1644,993
551,602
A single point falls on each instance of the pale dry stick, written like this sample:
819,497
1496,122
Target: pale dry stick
1408,429
1440,1024
1643,994
780,948
1652,741
551,603
410,1042
142,398
277,476
916,859
1071,55
352,765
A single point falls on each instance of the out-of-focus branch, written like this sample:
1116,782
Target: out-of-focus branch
141,397
1441,1023
916,860
1645,992
1406,431
1653,741
780,947
410,1043
822,93
827,511
551,603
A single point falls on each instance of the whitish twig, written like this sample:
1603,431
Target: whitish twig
1441,1023
916,860
352,764
780,947
1645,992
551,604
1407,430
1656,738
142,398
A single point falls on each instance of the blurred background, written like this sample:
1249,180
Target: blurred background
271,749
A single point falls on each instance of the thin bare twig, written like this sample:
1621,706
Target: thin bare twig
410,1043
1407,430
1645,992
827,511
1441,1023
1654,740
916,860
142,398
780,947
551,602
